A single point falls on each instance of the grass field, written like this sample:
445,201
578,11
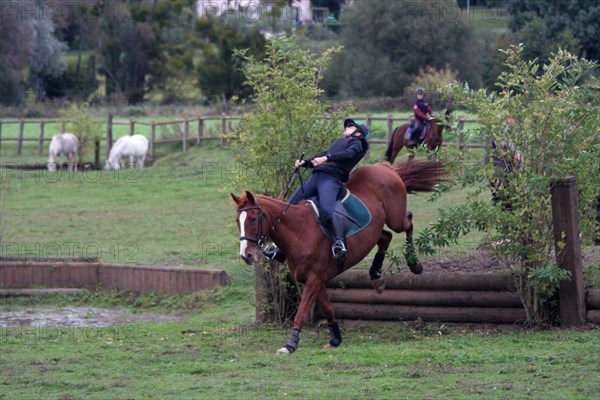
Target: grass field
179,213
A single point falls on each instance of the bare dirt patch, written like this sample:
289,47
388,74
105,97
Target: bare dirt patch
76,316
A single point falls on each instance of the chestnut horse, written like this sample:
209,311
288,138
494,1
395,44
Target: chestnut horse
293,228
433,138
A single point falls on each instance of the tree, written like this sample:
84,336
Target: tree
219,74
386,43
29,51
127,44
556,134
569,24
286,119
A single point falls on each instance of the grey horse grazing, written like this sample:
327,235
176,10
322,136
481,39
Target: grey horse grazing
133,147
64,145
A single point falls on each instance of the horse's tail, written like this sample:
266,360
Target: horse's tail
421,175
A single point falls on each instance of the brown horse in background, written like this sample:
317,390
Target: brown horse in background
294,229
433,138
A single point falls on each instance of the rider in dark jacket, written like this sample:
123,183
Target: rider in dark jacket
331,169
422,111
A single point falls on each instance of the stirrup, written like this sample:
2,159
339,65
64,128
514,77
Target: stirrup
339,249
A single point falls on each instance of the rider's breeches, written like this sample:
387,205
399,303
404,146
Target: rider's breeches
326,187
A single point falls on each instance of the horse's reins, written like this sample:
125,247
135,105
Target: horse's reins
262,238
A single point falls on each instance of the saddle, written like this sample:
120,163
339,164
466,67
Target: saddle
355,214
421,138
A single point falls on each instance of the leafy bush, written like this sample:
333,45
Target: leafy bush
82,124
556,113
287,118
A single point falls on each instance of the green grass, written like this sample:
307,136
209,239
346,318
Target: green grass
179,213
223,360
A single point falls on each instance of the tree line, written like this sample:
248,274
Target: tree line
159,50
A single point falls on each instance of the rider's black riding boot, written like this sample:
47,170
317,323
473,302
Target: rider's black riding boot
414,136
339,237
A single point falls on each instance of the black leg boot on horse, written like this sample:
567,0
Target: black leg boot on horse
274,254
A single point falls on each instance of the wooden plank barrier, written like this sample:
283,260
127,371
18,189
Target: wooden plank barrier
483,298
387,312
360,279
25,274
486,298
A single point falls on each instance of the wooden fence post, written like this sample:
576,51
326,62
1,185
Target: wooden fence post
20,140
152,139
109,131
223,130
41,137
390,130
571,292
459,134
62,125
97,154
200,131
131,127
186,131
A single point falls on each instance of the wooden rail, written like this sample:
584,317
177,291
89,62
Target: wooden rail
194,128
26,274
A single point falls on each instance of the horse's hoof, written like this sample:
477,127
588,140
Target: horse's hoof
378,285
329,346
283,350
416,268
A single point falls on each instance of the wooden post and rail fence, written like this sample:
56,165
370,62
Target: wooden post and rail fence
186,130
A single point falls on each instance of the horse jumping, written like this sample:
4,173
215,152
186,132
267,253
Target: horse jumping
135,147
64,145
293,228
433,138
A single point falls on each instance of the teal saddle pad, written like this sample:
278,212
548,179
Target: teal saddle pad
356,214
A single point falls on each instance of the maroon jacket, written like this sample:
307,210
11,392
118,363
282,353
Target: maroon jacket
421,109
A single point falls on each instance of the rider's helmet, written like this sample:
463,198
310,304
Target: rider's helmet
420,90
361,127
349,122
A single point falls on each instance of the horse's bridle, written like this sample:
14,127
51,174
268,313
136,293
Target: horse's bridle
262,239
261,217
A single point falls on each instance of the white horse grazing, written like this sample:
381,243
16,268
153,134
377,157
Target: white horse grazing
64,145
134,147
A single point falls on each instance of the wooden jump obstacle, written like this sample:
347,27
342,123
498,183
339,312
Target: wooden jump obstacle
483,297
136,278
445,298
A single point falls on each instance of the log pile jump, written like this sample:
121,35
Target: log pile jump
482,298
486,298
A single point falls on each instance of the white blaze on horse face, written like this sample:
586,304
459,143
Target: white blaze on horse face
244,242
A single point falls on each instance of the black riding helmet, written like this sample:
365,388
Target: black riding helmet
360,127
